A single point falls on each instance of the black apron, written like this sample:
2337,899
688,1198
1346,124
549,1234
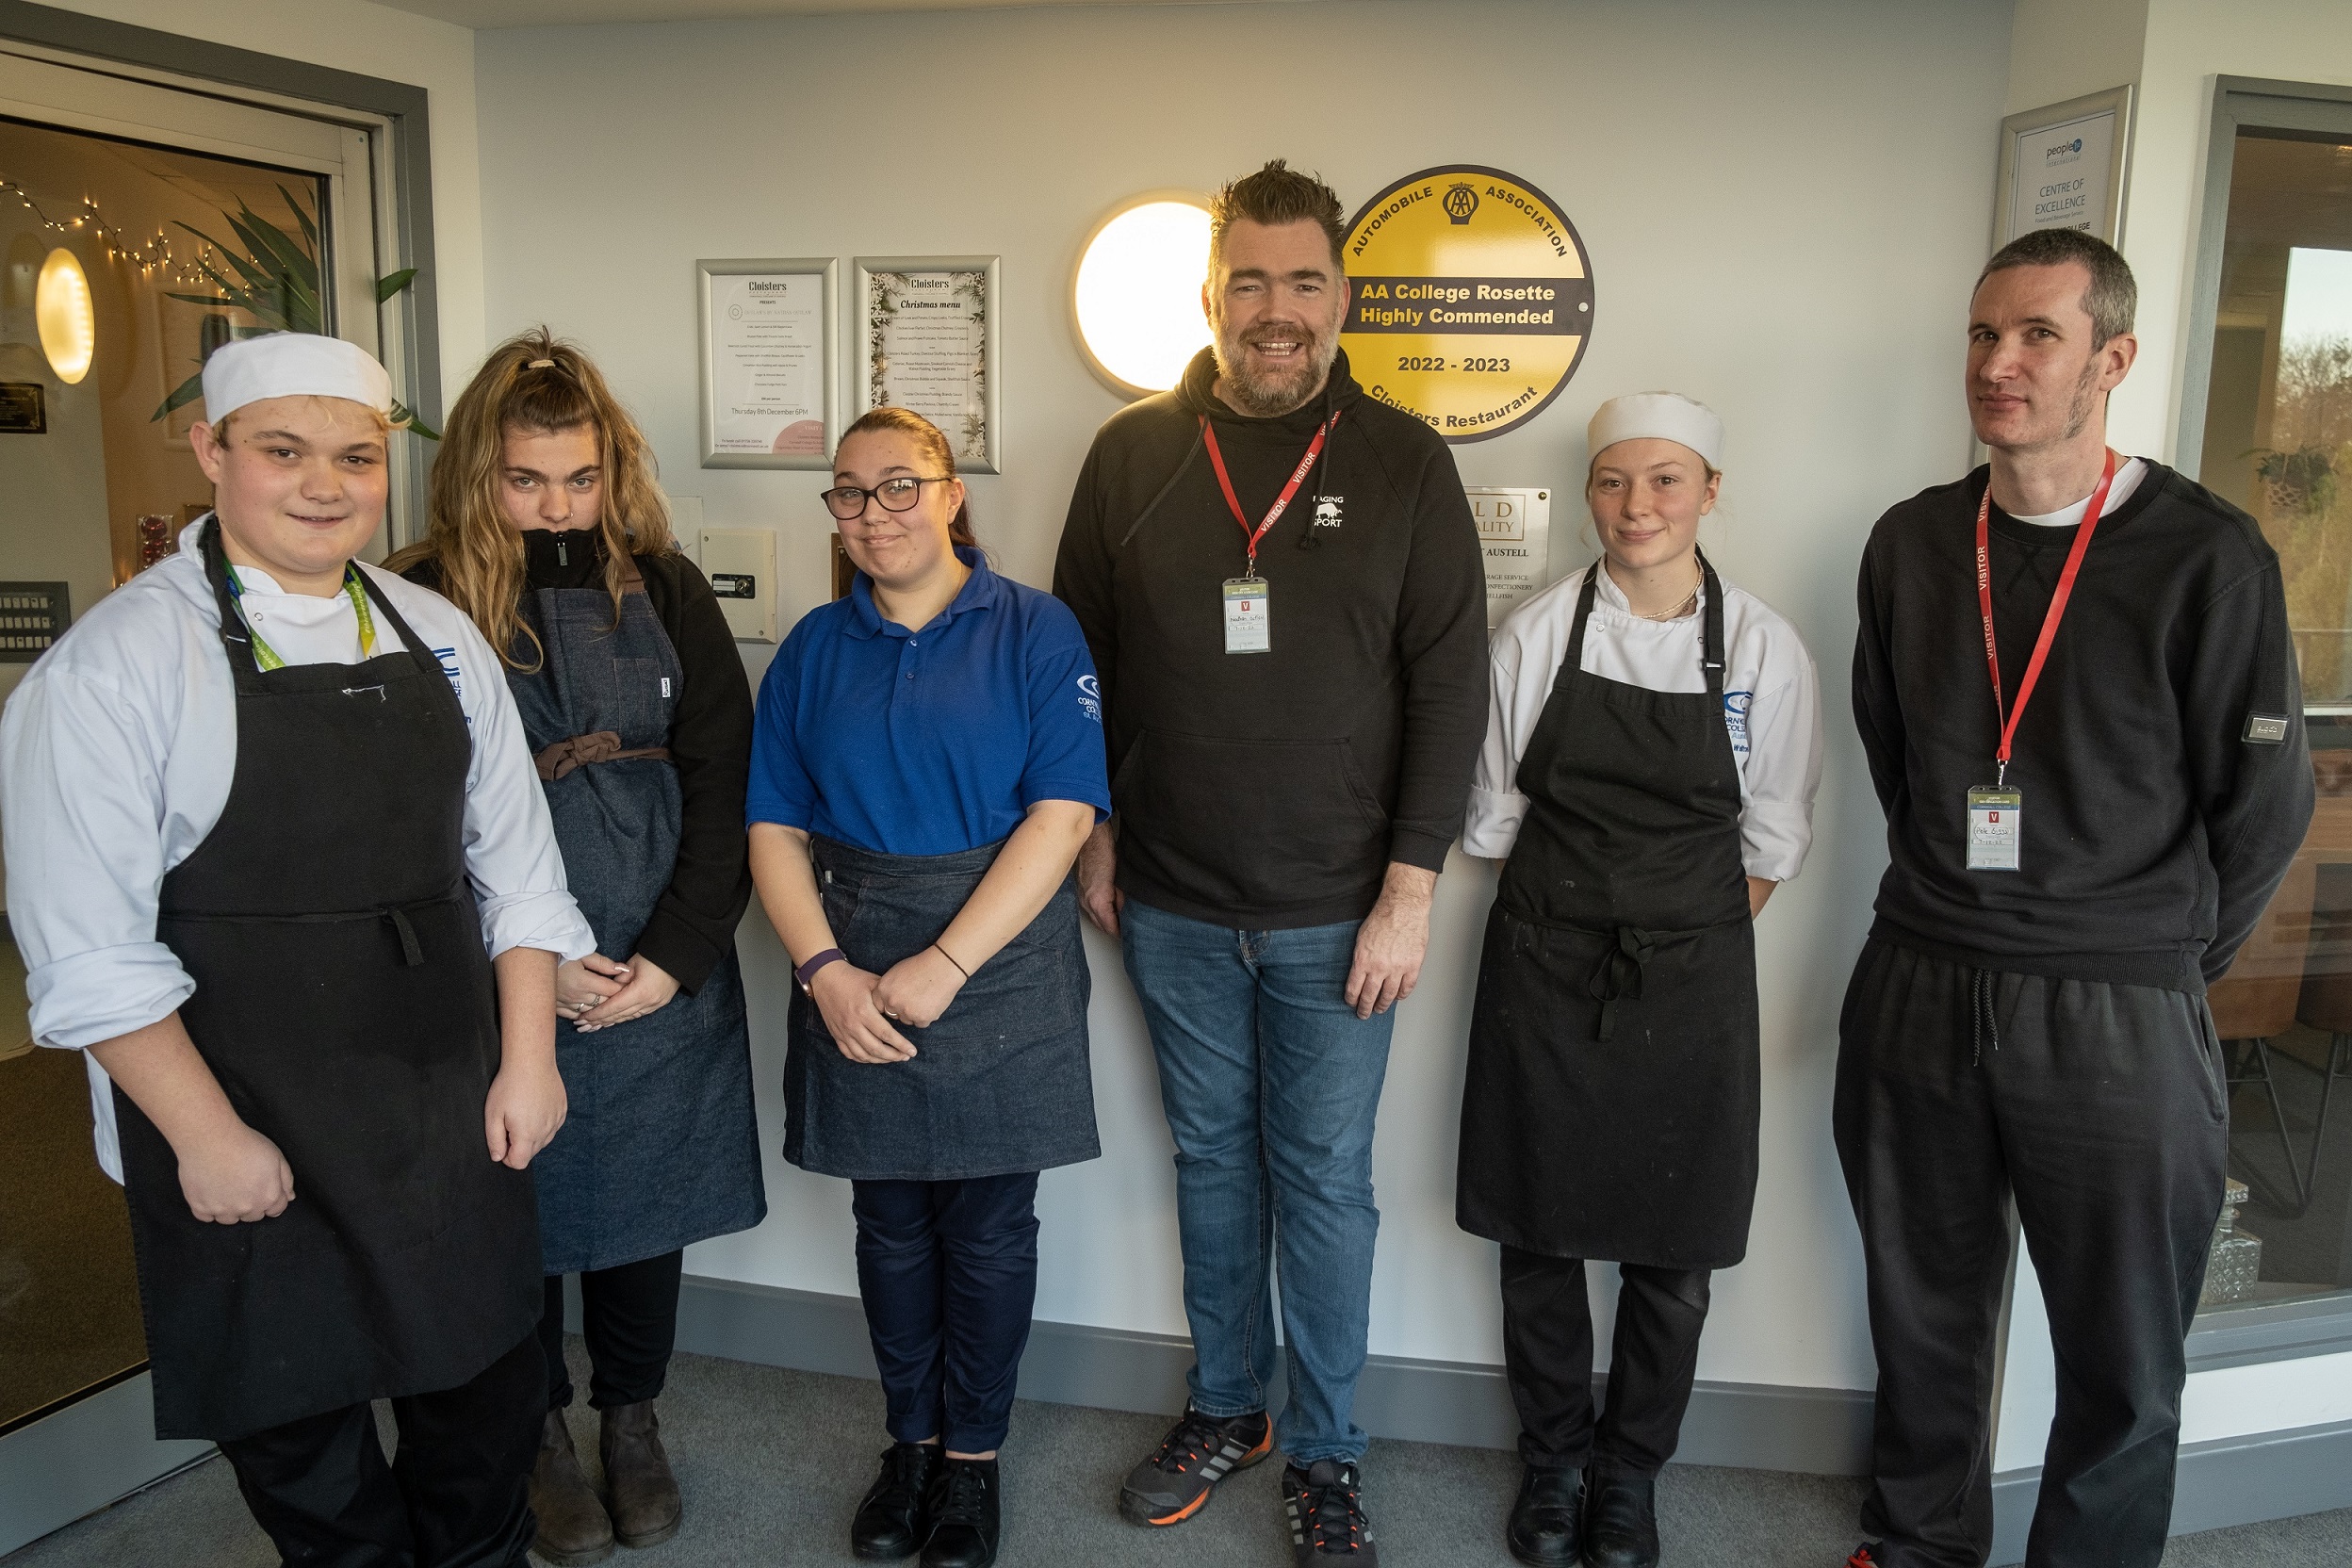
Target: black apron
660,1149
1611,1105
345,1002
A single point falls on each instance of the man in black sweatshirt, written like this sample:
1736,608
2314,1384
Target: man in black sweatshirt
1282,585
2076,689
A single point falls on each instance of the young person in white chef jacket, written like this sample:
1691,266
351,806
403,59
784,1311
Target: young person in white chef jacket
279,865
1652,752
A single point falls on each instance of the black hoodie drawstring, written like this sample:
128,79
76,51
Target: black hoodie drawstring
1982,1025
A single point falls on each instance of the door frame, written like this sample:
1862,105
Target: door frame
100,1448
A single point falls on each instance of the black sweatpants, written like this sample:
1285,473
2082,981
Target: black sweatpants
629,1316
1548,1360
455,1495
2099,1109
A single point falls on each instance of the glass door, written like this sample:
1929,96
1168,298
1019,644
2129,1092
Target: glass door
2277,441
140,227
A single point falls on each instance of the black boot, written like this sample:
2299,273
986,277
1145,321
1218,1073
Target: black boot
1621,1520
891,1521
1543,1521
965,1515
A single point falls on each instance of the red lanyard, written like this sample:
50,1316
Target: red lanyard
1282,503
2050,620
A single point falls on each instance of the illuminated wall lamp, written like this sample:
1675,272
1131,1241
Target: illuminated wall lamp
67,320
1135,297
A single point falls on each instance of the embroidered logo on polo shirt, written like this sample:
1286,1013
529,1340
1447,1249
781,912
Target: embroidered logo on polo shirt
1090,697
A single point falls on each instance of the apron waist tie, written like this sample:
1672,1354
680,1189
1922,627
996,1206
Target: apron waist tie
412,950
1618,976
598,745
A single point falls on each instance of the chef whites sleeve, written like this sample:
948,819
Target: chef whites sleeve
511,857
83,794
1782,774
1491,826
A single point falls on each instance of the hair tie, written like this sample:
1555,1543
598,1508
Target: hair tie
541,364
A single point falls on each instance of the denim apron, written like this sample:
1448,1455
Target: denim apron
346,1003
999,1083
1611,1104
660,1148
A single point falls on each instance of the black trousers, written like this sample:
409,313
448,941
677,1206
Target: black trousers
629,1316
1548,1359
453,1496
948,1271
2100,1110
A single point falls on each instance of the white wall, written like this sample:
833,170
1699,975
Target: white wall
1783,204
370,41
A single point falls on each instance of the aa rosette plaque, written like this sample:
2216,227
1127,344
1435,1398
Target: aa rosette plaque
1473,300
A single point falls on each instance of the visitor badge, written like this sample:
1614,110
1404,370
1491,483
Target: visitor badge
1994,826
1245,611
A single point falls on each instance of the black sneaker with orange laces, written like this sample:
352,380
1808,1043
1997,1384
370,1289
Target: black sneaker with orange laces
1198,1452
1324,1507
1863,1556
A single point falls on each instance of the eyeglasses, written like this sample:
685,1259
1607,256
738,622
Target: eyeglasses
847,501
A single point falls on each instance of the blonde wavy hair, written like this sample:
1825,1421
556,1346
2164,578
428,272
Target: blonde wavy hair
533,384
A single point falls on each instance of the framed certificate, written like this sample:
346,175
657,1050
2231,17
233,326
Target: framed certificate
926,342
2063,166
770,363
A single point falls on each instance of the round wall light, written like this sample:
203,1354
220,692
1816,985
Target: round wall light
66,319
1136,294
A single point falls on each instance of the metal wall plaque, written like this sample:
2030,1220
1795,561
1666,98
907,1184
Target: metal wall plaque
24,408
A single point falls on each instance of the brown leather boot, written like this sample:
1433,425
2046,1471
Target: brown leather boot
573,1529
637,1476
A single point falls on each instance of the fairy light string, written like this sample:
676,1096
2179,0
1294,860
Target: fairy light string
152,256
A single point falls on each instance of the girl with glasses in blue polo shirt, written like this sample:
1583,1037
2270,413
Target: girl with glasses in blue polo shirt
926,761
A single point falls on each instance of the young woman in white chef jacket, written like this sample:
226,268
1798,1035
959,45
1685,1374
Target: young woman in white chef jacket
1651,751
278,863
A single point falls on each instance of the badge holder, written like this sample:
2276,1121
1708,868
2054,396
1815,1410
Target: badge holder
1995,819
1248,610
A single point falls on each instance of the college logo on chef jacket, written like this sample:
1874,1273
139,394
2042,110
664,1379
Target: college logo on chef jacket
1736,706
448,658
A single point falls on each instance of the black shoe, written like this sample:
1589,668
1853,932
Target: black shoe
1543,1521
1324,1506
891,1521
1621,1520
965,1515
1866,1555
1198,1452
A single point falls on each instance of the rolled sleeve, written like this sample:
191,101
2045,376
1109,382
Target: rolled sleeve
1783,774
89,998
1492,825
511,854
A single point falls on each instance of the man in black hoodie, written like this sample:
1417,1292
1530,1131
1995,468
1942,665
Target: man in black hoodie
2078,695
1282,585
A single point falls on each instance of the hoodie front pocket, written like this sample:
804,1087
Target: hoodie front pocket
1249,822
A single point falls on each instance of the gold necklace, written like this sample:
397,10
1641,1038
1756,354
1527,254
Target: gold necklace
1682,605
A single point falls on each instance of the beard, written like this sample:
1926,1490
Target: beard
2085,400
1268,394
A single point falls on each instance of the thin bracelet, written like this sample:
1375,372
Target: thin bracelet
951,958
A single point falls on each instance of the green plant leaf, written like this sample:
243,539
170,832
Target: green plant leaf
278,250
310,230
182,394
392,283
403,414
213,300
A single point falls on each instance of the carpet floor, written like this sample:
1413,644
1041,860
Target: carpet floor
773,1463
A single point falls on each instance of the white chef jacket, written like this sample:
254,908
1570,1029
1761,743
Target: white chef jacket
117,752
1771,706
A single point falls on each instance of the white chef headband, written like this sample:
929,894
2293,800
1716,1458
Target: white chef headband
292,365
1667,415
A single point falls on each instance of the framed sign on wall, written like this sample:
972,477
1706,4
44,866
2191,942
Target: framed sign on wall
1473,300
2063,166
770,363
926,343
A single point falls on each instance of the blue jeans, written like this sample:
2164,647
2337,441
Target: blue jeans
1271,1084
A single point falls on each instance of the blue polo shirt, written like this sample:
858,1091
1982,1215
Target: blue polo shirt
934,741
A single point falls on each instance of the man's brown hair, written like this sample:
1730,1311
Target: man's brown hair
2113,297
1277,194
